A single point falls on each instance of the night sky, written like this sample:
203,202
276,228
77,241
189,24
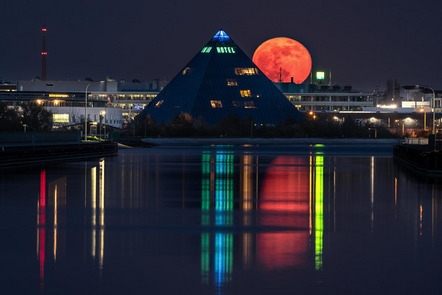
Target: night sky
363,42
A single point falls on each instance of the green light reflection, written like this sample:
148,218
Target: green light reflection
217,181
319,210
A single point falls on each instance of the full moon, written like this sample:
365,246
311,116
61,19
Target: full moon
282,59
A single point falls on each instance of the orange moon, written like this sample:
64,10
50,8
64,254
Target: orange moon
285,57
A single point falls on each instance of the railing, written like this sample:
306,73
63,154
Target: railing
416,141
36,138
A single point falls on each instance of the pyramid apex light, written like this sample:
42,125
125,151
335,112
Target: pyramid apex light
221,36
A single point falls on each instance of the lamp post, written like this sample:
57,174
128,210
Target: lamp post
85,111
433,101
102,122
433,105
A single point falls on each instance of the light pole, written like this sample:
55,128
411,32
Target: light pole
423,110
433,101
85,111
102,122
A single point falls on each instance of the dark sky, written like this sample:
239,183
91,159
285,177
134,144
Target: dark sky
363,42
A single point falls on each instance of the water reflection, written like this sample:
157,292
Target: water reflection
41,223
213,217
285,201
52,199
97,204
217,189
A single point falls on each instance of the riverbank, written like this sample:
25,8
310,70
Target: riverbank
43,153
419,158
268,141
23,149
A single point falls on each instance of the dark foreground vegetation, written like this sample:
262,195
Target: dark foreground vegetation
233,126
25,117
31,117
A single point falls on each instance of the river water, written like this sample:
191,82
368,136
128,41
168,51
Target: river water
306,219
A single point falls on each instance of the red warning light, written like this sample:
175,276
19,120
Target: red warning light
44,53
44,30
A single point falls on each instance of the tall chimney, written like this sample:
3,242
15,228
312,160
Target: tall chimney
43,54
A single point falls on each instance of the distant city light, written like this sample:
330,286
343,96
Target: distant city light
390,106
320,75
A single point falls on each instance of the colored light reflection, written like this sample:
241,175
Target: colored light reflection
285,195
41,223
217,183
205,217
97,213
319,211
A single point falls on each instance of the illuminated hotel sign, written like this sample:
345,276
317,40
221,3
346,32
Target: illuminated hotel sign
60,118
226,49
320,75
221,49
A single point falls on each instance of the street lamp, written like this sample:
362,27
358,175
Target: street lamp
433,101
422,110
102,121
85,111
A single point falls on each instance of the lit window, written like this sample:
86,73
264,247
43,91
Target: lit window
225,49
231,82
157,105
187,71
246,71
216,104
246,93
58,95
249,105
60,118
206,50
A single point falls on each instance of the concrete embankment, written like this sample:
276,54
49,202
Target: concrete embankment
31,149
268,141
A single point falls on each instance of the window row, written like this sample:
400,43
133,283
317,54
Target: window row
246,71
217,104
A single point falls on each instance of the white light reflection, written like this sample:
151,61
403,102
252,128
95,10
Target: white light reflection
372,191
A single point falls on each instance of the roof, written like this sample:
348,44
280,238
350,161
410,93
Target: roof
221,80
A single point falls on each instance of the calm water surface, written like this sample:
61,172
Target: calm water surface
222,220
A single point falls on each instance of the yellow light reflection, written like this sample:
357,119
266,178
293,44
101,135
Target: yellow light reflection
319,211
420,219
247,183
247,205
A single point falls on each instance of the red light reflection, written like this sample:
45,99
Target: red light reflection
41,228
285,192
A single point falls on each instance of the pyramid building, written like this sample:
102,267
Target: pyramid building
221,80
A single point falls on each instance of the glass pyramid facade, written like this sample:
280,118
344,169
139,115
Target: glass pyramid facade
221,80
